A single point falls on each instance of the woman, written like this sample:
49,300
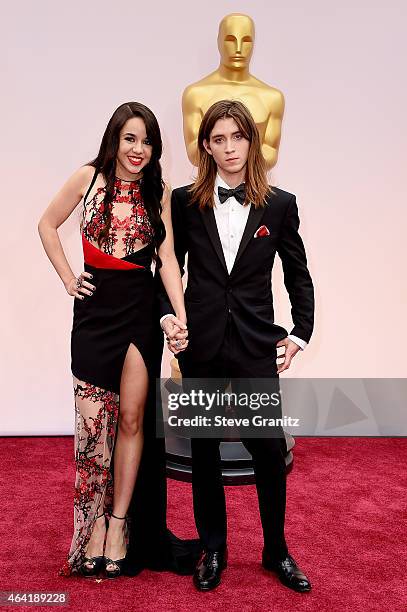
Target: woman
126,223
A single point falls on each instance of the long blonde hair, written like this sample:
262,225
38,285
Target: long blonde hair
257,188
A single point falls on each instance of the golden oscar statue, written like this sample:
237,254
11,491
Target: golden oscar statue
232,80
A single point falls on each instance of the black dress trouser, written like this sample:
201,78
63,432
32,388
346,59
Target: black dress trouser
268,454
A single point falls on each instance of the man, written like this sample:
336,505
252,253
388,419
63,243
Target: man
231,225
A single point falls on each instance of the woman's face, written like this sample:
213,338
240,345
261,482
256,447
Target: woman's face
134,151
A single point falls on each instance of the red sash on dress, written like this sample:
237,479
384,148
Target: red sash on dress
96,258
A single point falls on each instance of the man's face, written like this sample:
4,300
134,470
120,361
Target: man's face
227,145
235,41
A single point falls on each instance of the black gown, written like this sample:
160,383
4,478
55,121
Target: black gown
121,312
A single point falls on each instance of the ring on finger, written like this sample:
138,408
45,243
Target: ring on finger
79,283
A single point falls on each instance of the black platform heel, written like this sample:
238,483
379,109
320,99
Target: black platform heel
118,563
92,566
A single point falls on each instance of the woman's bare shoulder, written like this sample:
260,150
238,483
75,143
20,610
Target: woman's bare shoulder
84,175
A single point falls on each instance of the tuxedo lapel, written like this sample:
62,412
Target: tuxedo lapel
208,217
253,220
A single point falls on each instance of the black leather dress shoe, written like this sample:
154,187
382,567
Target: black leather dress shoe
288,572
209,569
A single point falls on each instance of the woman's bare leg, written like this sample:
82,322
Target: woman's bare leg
128,448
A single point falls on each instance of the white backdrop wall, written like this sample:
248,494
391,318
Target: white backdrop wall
67,66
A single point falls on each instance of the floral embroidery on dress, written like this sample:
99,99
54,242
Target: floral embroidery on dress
96,415
130,222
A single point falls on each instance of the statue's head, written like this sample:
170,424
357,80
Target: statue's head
236,40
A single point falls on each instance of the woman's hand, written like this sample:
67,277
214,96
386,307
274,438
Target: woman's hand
79,287
176,333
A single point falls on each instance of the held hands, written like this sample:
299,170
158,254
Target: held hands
79,287
176,334
291,349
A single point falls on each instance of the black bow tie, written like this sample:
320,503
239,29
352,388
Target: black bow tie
239,193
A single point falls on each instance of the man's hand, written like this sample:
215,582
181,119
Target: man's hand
291,349
176,334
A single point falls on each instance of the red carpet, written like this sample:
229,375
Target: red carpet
345,526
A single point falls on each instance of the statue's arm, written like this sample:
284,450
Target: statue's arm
272,134
192,116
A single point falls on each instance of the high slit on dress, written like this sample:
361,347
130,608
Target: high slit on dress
119,313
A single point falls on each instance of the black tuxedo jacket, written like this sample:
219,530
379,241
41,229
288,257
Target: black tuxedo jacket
246,292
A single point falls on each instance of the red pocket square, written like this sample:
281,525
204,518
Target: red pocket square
262,231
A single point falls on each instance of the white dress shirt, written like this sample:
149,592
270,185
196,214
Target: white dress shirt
231,218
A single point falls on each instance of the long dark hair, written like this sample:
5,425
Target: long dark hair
257,188
152,185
